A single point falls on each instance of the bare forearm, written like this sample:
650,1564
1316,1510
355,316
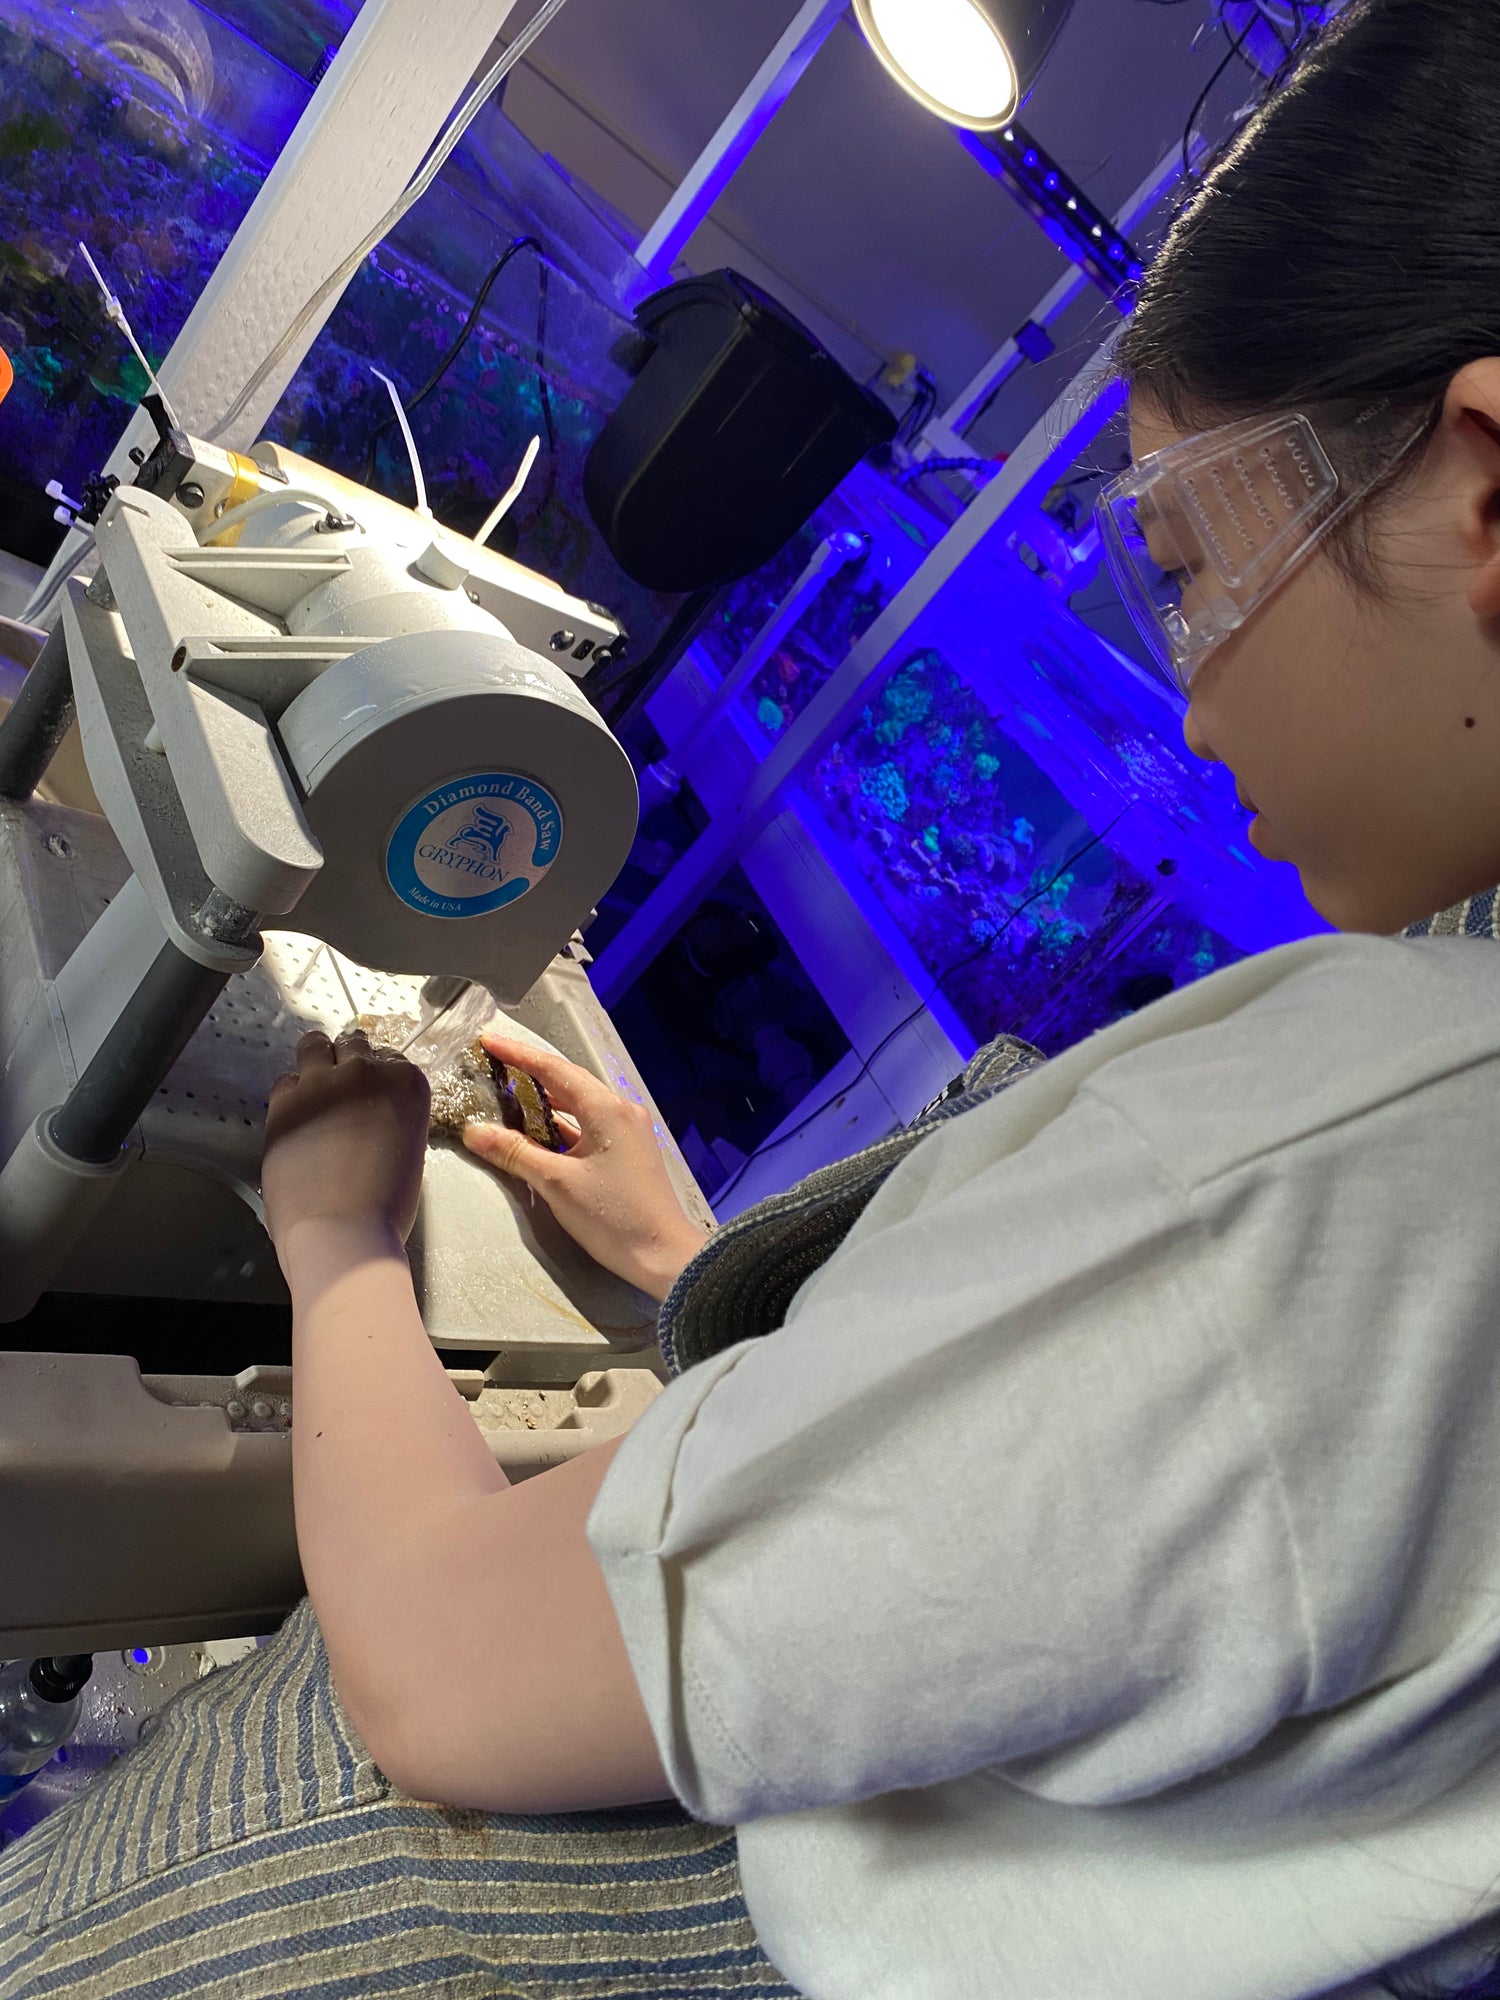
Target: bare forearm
384,1449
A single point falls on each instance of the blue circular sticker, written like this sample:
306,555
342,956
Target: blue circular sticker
474,844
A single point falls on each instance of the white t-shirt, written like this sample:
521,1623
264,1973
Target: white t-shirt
1093,1591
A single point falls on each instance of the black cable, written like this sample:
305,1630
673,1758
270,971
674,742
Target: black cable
920,410
900,1028
1236,48
544,393
481,300
543,386
1093,474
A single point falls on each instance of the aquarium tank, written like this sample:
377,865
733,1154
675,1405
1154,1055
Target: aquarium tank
1014,792
145,128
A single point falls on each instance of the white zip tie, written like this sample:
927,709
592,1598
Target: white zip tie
513,493
115,312
411,445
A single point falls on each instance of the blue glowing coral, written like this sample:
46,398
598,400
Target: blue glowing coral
884,784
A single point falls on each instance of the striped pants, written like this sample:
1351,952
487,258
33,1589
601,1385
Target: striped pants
249,1850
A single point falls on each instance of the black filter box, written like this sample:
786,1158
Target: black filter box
736,429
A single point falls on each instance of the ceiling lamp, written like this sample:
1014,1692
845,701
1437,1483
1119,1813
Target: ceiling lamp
969,61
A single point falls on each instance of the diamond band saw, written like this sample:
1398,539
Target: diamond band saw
336,747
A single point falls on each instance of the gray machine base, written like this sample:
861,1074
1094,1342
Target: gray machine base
149,1511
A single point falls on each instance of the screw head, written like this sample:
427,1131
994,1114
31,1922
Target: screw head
563,642
190,493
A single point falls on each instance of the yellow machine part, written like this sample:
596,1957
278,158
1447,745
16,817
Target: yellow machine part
247,483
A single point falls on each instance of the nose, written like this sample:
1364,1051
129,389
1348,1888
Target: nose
1196,741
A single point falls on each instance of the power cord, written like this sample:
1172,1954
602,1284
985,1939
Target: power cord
1305,31
466,334
1236,49
916,1014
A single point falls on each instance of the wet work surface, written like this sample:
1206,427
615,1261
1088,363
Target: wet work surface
128,1691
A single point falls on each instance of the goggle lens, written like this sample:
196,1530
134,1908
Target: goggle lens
1200,534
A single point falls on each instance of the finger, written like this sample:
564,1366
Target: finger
570,1128
352,1042
569,1086
511,1153
315,1051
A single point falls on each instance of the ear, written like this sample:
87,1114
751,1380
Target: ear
1471,419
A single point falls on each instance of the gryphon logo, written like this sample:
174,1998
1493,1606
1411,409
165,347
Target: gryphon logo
486,835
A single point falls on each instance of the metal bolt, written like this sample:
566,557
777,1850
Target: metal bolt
190,493
473,596
234,1409
563,642
220,917
260,1409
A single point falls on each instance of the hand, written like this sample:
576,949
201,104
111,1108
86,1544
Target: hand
346,1139
610,1190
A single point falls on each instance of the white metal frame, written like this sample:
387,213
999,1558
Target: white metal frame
1092,401
370,124
944,436
724,155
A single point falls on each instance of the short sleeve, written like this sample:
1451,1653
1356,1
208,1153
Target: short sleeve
995,1496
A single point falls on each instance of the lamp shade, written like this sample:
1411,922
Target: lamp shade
969,61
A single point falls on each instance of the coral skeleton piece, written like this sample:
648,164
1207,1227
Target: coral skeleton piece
473,1089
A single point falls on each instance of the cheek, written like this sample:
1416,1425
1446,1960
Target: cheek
1277,700
1318,707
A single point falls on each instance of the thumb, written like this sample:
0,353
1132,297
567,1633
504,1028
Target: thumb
510,1152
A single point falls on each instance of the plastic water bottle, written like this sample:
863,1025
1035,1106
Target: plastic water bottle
39,1704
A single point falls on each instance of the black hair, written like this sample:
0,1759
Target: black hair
1342,258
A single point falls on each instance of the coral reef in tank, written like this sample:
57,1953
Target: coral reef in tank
146,127
971,850
133,173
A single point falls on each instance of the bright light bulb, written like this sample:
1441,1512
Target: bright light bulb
947,54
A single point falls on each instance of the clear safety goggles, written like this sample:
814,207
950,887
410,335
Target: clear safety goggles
1197,536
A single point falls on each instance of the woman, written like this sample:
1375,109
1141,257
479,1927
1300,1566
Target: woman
1070,1563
